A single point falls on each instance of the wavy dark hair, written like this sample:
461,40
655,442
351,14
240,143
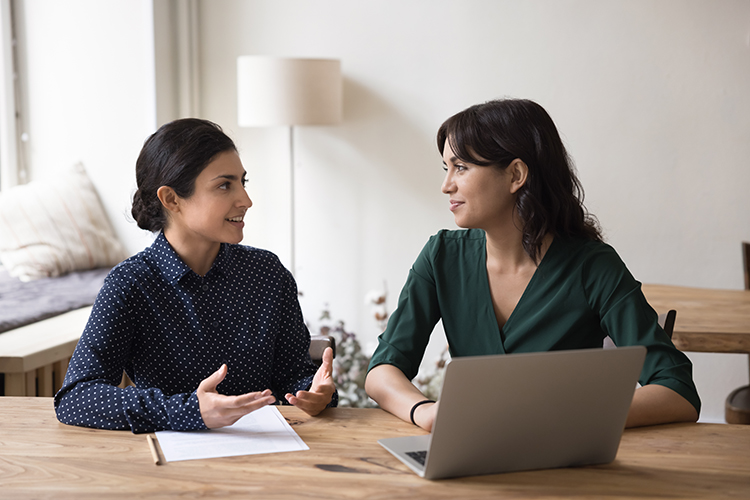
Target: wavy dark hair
496,133
174,156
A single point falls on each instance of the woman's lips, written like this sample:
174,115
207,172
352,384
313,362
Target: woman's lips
455,204
236,223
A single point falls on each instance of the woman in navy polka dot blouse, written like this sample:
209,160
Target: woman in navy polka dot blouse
192,302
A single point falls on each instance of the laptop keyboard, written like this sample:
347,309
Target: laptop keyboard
419,456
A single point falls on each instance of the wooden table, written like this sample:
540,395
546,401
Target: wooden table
708,320
41,458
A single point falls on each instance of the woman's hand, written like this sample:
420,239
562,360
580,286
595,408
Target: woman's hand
218,410
317,398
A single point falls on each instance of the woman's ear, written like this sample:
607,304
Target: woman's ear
519,172
168,199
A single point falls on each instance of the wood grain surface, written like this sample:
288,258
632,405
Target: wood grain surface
708,320
41,458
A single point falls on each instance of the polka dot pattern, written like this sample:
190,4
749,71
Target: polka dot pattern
170,328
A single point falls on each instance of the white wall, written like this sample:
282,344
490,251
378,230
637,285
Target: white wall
650,96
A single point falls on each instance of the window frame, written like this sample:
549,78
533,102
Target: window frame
12,169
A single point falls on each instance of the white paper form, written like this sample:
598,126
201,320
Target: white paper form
262,431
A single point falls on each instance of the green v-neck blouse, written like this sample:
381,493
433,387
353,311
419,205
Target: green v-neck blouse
580,293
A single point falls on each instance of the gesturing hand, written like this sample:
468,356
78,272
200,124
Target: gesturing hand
218,410
315,400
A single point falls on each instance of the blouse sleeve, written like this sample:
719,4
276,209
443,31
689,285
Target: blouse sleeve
409,328
629,319
90,397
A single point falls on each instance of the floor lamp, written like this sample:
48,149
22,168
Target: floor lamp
288,91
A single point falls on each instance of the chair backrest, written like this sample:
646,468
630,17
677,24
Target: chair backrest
318,344
746,263
666,321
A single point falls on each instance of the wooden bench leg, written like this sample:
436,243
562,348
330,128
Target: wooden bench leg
59,369
44,381
31,383
15,384
44,375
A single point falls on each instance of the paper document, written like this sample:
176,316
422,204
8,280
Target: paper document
262,431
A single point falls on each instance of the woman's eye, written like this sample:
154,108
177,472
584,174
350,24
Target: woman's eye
244,182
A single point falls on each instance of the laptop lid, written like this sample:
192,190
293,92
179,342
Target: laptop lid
525,411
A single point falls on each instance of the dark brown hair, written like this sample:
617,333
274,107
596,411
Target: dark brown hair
174,156
497,132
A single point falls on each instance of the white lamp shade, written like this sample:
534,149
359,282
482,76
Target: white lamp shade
285,91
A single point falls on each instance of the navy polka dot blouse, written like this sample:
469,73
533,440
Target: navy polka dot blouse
170,328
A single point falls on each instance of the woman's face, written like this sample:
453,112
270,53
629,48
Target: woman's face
216,209
480,197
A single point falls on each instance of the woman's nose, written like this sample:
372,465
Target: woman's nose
447,186
246,201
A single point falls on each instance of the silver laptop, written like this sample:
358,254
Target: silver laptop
514,412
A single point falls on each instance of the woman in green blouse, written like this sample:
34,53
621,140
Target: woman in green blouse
529,273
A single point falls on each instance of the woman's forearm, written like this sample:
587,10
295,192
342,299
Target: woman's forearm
656,404
390,388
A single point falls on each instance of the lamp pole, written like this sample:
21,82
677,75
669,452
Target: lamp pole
292,208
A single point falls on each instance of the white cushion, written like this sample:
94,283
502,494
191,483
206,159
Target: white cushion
54,226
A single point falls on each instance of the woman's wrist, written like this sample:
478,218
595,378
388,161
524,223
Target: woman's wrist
417,405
